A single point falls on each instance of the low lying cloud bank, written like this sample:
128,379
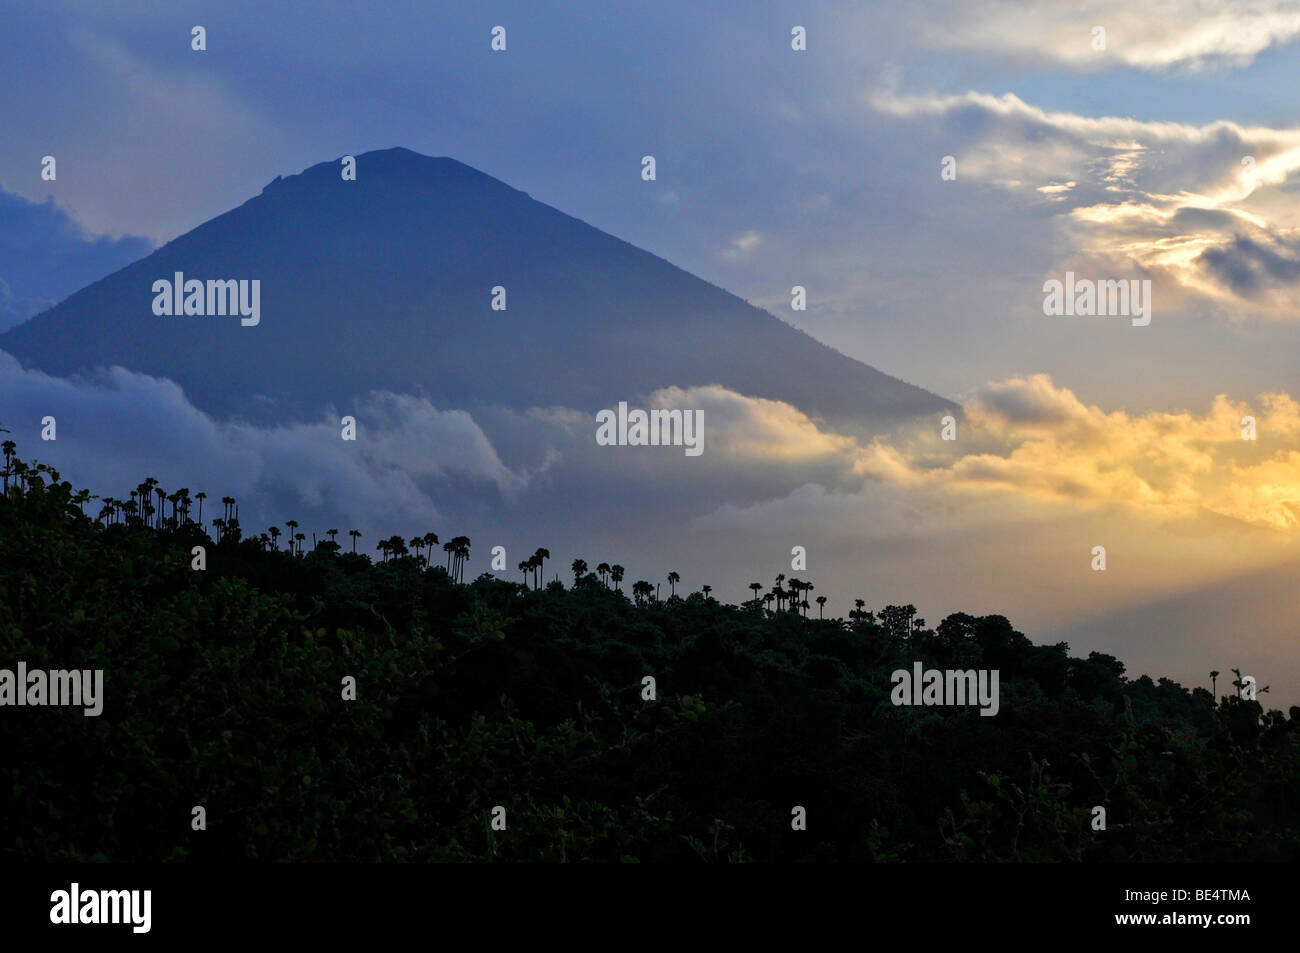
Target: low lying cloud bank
118,427
1026,436
1024,440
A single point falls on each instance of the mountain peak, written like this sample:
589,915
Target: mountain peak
397,166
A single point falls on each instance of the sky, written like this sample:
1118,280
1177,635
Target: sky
1170,156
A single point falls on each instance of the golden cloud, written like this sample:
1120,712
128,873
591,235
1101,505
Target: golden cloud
1028,437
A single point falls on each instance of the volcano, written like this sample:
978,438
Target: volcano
387,282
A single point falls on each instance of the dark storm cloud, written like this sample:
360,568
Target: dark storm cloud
1248,267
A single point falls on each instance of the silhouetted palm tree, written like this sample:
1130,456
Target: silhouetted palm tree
461,553
275,536
707,590
200,496
354,534
756,586
541,556
616,574
1214,678
579,567
146,495
9,447
1240,683
602,570
457,550
794,585
673,580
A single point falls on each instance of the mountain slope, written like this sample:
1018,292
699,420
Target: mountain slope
385,282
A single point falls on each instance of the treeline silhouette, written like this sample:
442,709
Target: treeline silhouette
224,689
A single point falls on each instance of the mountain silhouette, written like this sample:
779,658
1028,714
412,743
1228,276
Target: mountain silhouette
386,282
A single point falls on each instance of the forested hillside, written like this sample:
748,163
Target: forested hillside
224,688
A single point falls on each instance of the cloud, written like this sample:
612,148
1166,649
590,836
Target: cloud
738,431
1031,439
119,426
46,255
1158,35
413,461
754,429
742,246
1027,449
1250,266
1207,212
